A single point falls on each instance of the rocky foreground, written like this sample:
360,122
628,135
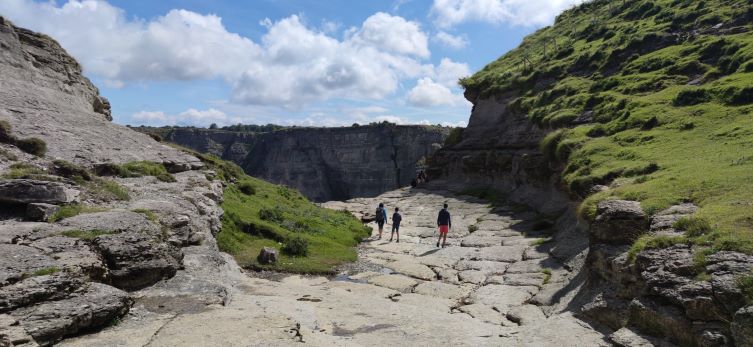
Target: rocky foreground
493,285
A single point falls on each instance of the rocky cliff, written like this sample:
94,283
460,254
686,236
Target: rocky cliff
323,163
591,122
88,229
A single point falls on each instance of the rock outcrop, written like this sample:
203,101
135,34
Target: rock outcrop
323,163
78,251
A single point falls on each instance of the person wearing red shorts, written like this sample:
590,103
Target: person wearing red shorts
444,223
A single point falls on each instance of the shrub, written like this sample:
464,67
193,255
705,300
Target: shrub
691,97
296,246
735,96
472,228
745,283
155,137
70,170
25,170
5,132
273,215
455,136
247,188
33,146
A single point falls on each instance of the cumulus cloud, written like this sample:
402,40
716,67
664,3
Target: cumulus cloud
291,65
451,41
427,93
448,72
448,13
191,116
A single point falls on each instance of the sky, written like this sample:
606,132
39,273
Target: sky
288,62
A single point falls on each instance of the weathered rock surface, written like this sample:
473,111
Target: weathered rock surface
22,191
54,277
323,163
136,260
619,222
373,307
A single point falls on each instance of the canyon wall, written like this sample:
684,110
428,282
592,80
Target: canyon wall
323,163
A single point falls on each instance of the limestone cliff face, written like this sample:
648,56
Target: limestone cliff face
324,163
67,275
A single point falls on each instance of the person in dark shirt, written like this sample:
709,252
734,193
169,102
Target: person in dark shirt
381,218
396,218
444,223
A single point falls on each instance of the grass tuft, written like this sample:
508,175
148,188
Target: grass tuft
68,211
86,235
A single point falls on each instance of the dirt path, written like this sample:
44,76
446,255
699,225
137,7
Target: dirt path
479,290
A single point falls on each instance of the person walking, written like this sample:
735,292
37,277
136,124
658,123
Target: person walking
444,223
396,218
381,218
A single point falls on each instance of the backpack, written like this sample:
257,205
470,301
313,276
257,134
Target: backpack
379,215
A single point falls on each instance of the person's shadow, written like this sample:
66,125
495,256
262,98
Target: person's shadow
429,252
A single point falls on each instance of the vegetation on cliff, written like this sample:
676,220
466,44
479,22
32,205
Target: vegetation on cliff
259,214
653,98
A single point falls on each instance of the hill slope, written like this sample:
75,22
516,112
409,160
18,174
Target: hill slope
651,98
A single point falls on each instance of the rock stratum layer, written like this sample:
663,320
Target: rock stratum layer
138,244
323,163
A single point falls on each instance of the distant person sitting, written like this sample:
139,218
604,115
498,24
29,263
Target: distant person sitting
396,218
444,223
381,217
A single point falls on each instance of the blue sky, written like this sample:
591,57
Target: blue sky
327,63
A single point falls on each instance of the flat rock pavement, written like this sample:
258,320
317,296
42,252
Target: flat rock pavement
463,294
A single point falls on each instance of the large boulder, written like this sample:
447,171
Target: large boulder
24,191
619,222
40,212
93,306
136,260
35,289
267,255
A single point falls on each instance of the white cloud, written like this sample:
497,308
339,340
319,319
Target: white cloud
448,72
428,93
150,116
290,66
394,34
191,116
205,115
448,13
451,41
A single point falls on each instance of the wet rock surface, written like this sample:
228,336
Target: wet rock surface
401,293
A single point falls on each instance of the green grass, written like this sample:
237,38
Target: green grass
659,139
745,283
68,211
273,216
27,171
87,235
653,242
547,275
472,228
541,241
150,215
45,271
145,168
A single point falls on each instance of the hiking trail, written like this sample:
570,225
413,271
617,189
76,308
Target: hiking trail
479,290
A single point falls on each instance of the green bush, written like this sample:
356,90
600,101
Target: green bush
296,246
70,170
273,214
46,271
33,146
454,137
5,132
745,283
472,228
247,188
691,97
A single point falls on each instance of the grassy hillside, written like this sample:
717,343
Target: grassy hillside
260,214
653,98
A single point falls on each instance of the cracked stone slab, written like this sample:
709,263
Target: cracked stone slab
397,282
500,253
412,269
501,297
442,290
